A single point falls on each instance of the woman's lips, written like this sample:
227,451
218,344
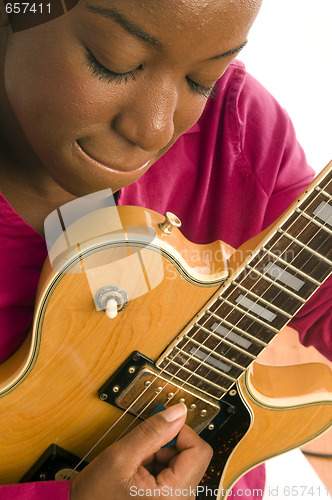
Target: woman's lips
118,170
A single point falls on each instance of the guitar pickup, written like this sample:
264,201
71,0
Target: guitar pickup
138,387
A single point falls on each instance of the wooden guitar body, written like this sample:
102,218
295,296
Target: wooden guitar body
298,412
57,388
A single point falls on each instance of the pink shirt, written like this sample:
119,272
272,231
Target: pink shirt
232,174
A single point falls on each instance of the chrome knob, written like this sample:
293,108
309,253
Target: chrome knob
170,221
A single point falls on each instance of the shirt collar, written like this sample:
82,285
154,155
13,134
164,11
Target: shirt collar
194,129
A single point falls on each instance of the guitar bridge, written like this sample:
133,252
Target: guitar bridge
138,387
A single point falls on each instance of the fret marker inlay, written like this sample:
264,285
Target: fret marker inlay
324,212
284,276
258,299
255,308
210,360
234,337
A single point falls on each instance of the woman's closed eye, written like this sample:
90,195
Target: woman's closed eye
204,91
103,73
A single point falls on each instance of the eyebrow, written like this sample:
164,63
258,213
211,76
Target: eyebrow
230,52
135,30
129,26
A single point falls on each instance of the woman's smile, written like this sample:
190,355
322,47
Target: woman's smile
123,167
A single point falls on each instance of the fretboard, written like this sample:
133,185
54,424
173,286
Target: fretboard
260,298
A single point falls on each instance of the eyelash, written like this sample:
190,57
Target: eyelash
207,92
103,73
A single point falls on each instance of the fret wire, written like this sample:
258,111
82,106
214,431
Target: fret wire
236,328
224,340
327,179
301,300
192,373
320,191
210,367
313,220
310,250
246,292
325,193
215,353
323,280
220,387
275,283
287,264
281,311
247,313
221,342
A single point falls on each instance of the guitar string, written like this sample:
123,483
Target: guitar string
202,344
276,259
155,378
153,398
261,278
248,291
308,224
220,343
156,395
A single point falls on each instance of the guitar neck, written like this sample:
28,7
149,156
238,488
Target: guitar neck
268,288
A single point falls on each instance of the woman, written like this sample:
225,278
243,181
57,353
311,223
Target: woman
100,96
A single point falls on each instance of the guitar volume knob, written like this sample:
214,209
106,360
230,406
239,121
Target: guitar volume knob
171,220
111,308
112,300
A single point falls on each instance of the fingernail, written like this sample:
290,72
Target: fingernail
174,412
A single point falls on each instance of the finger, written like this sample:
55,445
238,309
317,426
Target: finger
189,465
148,437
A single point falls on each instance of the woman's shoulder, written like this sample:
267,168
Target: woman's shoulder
240,93
246,119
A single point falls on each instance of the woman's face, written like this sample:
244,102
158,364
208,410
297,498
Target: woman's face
103,91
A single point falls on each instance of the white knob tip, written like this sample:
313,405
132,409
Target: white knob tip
111,308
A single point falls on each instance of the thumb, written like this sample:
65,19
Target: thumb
155,432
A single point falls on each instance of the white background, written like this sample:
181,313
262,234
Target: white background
290,53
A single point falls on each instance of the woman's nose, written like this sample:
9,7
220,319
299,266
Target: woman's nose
147,120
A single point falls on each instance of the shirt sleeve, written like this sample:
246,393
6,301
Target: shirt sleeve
314,320
270,145
52,490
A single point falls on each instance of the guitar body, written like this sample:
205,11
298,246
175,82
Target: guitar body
51,387
292,417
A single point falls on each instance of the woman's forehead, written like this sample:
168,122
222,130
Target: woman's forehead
190,15
182,11
170,18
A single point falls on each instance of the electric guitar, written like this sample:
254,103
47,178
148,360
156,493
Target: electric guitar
131,315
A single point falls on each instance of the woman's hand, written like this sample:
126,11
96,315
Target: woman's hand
137,464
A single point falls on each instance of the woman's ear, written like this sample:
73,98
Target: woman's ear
4,21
